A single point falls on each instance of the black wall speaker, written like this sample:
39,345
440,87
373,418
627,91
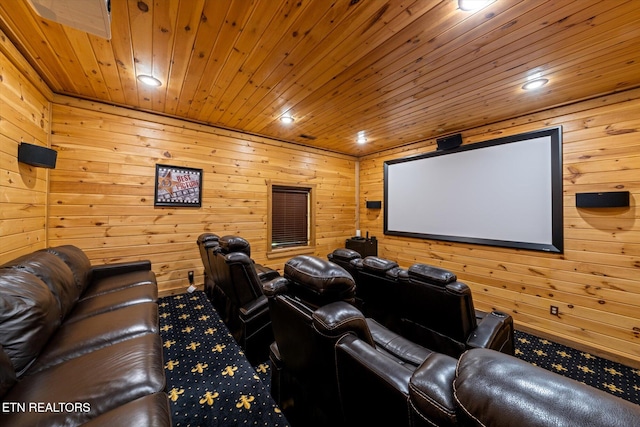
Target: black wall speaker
37,155
607,199
374,204
449,142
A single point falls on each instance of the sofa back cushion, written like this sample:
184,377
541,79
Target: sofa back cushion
7,373
54,273
78,263
29,314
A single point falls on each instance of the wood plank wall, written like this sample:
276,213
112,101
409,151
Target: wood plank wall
595,282
101,196
24,116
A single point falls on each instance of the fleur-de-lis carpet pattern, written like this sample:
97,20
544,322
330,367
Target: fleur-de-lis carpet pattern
612,377
209,381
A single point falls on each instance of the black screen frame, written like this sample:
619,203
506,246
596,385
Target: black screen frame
557,226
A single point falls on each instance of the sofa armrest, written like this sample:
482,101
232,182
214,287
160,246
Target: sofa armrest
494,331
107,270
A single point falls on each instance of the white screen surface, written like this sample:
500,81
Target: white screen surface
502,192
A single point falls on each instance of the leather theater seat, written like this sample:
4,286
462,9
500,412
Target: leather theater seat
240,300
206,243
312,312
426,305
488,388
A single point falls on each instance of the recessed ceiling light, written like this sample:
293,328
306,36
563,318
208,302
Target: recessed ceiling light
149,80
473,5
361,138
535,84
286,119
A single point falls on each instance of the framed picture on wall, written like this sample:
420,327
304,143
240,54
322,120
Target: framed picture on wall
178,186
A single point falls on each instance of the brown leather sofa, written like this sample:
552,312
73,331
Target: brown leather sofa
79,343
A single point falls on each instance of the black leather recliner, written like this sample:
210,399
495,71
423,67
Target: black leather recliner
206,242
239,298
489,388
438,311
429,306
311,311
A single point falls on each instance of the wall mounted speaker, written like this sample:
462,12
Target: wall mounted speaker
36,155
449,142
607,199
374,204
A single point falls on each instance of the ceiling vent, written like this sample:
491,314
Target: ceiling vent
91,16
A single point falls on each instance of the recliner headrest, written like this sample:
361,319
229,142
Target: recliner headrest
231,243
344,254
431,274
378,265
208,239
318,281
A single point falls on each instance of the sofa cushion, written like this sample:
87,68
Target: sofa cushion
54,273
94,332
113,300
7,373
78,263
148,411
117,282
29,314
96,383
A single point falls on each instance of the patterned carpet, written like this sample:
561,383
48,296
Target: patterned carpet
211,383
612,377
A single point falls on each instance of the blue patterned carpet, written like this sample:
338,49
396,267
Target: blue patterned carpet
603,374
209,381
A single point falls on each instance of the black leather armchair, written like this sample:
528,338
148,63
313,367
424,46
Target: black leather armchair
206,243
347,259
429,306
311,311
240,301
378,290
488,388
438,312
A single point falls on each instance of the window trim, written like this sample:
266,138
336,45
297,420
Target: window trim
296,250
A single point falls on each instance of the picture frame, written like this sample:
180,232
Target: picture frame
177,186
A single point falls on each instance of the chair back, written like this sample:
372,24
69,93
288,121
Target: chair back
438,310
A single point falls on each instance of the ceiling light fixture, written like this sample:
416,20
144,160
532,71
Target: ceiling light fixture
473,5
361,138
149,80
286,120
535,84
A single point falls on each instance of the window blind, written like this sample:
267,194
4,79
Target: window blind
290,221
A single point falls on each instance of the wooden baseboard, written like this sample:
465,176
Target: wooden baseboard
176,291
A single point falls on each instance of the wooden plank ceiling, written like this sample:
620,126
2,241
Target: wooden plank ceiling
400,71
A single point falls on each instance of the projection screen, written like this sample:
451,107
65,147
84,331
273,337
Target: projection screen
504,192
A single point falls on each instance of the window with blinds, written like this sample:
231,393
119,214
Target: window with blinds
289,216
